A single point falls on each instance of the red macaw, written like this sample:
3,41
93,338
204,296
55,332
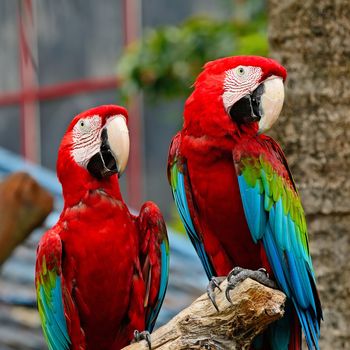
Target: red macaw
101,272
236,195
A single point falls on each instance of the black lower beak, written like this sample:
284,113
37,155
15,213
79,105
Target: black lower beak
103,163
248,108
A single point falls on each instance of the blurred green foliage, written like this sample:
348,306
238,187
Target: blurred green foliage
165,62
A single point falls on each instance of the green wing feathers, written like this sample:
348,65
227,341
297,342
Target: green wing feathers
275,187
275,216
48,282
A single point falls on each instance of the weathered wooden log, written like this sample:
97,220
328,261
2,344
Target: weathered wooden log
24,205
200,326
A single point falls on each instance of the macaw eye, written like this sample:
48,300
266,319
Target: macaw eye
240,71
84,125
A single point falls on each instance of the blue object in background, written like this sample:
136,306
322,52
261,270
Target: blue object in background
19,319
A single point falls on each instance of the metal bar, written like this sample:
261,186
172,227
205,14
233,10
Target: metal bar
59,90
30,134
135,175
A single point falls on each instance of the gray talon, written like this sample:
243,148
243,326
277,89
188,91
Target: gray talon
235,271
227,293
216,283
145,335
264,270
238,274
213,284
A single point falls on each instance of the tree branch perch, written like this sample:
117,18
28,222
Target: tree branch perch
24,205
200,326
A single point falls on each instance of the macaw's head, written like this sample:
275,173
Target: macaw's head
94,148
239,92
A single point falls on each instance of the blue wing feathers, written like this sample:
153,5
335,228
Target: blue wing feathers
55,327
164,254
179,193
285,244
253,206
307,328
280,269
296,282
278,222
164,268
277,263
263,221
285,229
311,323
59,310
292,230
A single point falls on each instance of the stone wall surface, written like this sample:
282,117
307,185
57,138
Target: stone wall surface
312,40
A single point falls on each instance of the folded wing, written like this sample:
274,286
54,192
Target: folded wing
181,189
154,260
275,215
50,284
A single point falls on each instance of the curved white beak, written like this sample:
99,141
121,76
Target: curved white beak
271,102
118,139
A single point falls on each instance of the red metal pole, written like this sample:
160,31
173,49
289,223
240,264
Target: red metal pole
135,175
60,90
30,134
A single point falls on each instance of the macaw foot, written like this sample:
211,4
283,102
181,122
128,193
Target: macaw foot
145,335
238,274
213,284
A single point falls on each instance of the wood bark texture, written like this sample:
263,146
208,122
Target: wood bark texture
200,326
24,205
312,40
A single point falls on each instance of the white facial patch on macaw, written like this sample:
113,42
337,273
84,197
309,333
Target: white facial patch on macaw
239,82
271,102
86,139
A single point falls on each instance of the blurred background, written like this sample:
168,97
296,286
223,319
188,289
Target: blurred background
58,58
62,57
